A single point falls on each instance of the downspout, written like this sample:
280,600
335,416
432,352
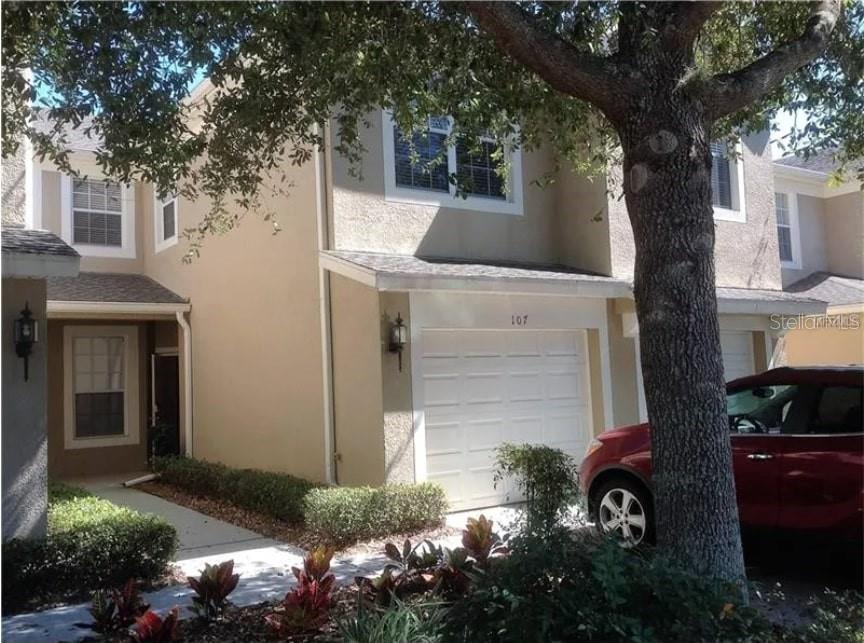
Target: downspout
187,380
322,209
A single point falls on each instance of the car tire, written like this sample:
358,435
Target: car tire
624,507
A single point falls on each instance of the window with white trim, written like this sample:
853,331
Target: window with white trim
166,221
727,183
98,217
101,397
99,386
97,213
784,226
417,169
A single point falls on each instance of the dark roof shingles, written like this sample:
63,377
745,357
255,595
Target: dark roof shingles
111,287
18,240
834,289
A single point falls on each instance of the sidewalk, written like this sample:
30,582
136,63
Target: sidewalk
264,566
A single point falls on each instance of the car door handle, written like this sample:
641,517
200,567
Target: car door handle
760,456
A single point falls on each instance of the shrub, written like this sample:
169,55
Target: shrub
547,479
91,543
400,623
306,608
341,515
275,494
566,589
212,589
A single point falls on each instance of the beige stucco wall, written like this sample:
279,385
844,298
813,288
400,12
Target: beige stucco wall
844,234
12,185
622,358
397,395
24,436
364,220
811,231
582,221
746,254
256,331
64,462
358,405
826,346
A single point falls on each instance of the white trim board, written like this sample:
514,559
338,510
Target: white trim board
34,266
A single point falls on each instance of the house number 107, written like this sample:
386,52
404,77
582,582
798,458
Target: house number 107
519,320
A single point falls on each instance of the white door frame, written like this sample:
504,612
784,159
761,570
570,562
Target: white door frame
451,311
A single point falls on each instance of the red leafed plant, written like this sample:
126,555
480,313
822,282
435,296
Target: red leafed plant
117,609
149,628
212,589
481,542
306,608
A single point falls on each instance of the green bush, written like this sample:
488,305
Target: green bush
400,623
342,515
579,589
547,479
91,544
276,494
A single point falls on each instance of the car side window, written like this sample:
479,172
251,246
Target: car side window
760,410
839,410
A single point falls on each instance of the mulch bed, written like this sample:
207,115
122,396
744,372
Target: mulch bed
275,528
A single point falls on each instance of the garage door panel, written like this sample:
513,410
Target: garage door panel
483,388
737,348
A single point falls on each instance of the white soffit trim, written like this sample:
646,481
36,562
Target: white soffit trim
769,307
39,266
491,285
65,308
817,183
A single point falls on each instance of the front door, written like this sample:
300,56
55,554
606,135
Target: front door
165,429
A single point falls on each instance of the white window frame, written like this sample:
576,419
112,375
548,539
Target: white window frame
160,243
131,394
511,204
126,250
738,211
794,229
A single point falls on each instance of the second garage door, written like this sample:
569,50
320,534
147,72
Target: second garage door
485,387
737,348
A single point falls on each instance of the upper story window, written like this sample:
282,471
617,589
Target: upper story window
97,213
727,183
98,217
165,220
788,241
420,173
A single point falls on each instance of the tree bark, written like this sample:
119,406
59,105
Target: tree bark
667,166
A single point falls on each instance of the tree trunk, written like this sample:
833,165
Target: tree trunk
667,165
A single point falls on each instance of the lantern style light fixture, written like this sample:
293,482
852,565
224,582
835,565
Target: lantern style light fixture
398,338
25,334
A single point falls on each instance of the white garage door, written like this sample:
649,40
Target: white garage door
737,350
485,387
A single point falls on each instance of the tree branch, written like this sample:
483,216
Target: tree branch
687,20
594,79
727,93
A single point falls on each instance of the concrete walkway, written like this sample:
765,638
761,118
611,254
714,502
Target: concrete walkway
264,565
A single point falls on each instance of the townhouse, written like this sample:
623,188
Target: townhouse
392,331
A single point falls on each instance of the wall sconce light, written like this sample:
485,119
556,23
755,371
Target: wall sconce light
398,338
26,333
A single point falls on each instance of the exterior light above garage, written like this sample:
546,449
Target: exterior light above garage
398,337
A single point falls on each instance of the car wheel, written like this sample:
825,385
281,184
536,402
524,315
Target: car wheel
623,508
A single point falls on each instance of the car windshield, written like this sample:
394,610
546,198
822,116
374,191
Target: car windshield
761,409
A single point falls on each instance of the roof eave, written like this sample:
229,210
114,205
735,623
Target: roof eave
733,306
72,309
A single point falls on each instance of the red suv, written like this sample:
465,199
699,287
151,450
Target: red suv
797,452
